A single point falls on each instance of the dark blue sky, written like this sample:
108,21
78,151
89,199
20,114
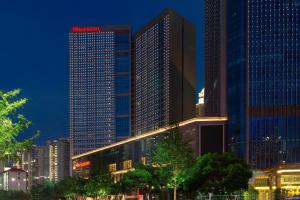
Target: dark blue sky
34,47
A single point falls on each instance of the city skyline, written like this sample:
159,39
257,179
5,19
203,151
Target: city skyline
35,51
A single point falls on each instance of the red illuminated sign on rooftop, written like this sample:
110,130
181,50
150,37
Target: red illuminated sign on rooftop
77,29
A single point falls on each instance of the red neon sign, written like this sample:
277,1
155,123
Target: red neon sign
82,164
77,29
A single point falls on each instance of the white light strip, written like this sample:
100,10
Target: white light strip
287,170
153,133
122,171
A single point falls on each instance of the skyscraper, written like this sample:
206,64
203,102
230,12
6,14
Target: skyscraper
59,159
100,73
165,72
215,58
264,81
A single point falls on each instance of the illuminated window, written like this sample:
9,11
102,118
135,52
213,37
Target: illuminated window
112,167
143,160
127,164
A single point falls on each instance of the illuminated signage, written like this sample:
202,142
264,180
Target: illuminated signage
82,164
77,29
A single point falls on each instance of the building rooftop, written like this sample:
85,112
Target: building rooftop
13,169
153,133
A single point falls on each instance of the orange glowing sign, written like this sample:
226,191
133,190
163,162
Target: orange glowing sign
82,164
77,29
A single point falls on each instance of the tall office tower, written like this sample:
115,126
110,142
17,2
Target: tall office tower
215,58
165,72
264,81
59,159
100,84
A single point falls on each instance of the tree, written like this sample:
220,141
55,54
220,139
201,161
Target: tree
172,157
218,174
12,125
46,190
15,195
143,178
71,187
251,193
99,186
136,180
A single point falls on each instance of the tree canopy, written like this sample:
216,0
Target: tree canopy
172,156
99,185
218,174
12,124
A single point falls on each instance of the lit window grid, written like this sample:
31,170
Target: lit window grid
93,71
152,102
273,81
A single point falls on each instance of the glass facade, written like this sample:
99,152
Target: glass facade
215,58
152,50
236,53
268,55
165,72
100,67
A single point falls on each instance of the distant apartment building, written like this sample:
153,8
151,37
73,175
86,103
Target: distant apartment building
215,55
59,159
43,163
165,72
13,179
36,163
100,86
200,107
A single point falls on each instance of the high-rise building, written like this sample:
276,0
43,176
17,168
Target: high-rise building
264,81
165,72
100,84
35,162
43,164
59,159
215,58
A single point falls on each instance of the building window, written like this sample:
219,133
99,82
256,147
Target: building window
127,164
112,167
143,160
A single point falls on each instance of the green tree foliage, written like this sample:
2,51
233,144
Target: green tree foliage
47,190
15,195
138,179
99,185
251,193
218,174
12,125
143,179
172,157
71,187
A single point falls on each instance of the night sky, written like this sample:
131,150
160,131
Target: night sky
34,48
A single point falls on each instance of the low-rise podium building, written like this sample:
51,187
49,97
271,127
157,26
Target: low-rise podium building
283,179
203,134
14,179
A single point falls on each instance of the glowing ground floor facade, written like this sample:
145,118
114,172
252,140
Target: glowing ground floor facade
203,134
282,180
